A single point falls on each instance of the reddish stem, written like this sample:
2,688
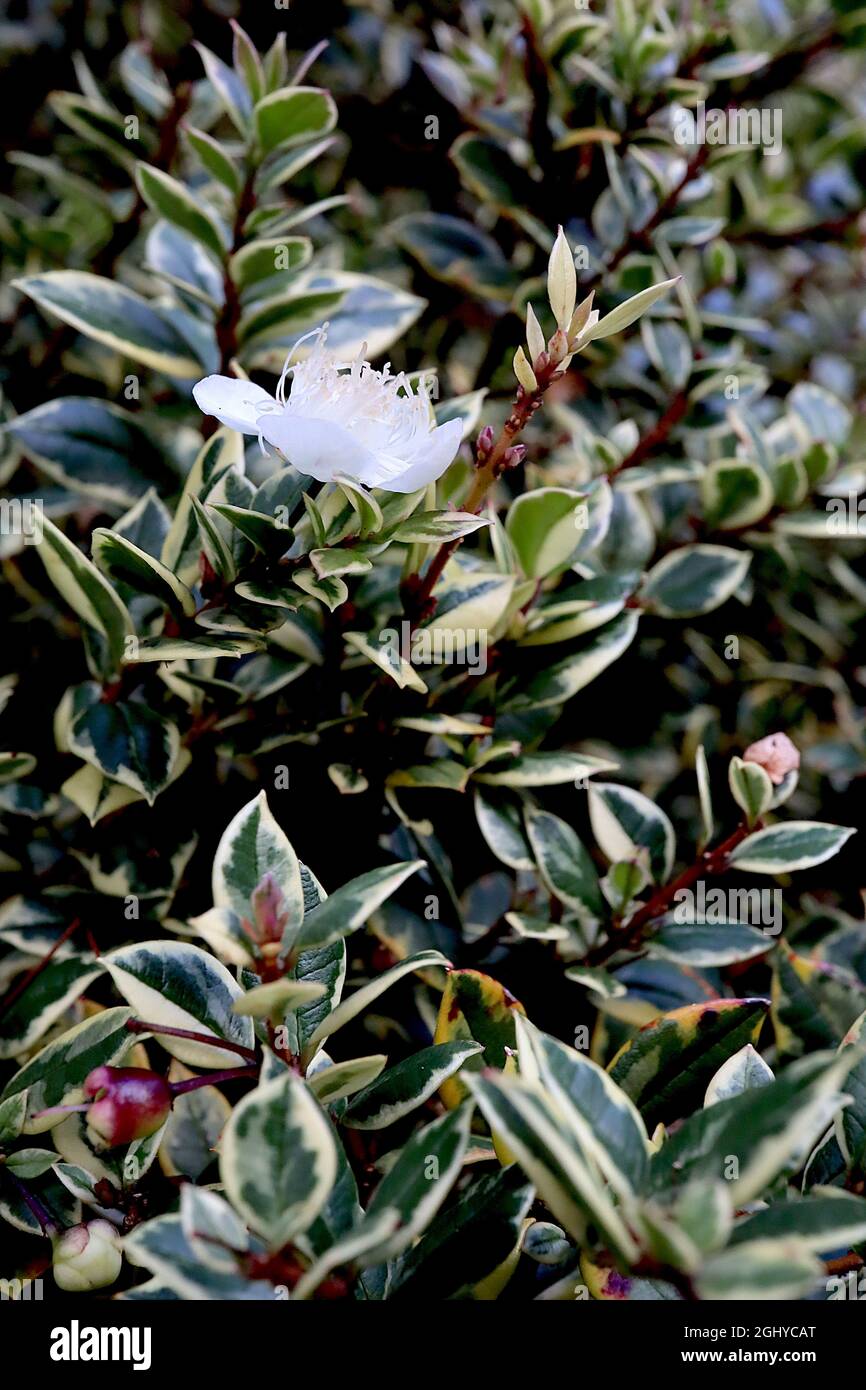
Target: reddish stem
137,1025
657,435
179,1088
639,236
710,862
488,470
43,1216
14,994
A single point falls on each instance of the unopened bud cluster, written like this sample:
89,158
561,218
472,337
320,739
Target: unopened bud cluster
574,322
541,363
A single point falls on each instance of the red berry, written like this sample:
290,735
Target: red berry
130,1103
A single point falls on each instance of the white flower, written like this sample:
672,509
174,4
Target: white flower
341,418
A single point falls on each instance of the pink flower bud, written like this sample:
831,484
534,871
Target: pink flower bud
87,1256
515,455
485,441
776,754
129,1103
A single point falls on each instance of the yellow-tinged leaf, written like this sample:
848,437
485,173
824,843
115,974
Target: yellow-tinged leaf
475,1006
813,1001
663,1067
491,1286
503,1152
603,1281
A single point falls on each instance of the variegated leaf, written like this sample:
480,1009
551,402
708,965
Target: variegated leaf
278,1160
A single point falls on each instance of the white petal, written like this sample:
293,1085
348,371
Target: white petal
431,460
319,448
235,403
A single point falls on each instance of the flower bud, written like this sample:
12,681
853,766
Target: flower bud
129,1103
534,335
581,316
515,455
578,341
484,443
524,373
87,1256
776,754
558,347
562,281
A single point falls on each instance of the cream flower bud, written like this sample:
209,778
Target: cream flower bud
580,320
524,373
534,335
586,334
776,754
87,1257
561,281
